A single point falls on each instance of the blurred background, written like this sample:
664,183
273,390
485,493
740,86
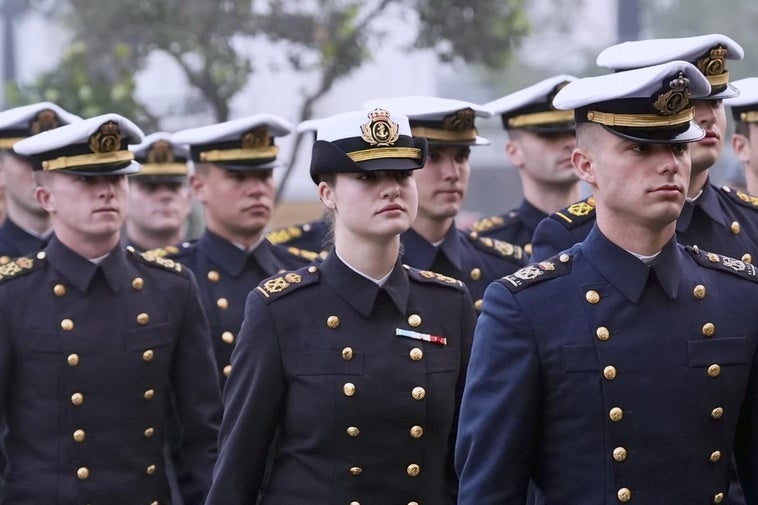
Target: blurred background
174,64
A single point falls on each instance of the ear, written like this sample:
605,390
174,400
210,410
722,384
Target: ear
515,153
199,189
45,198
584,165
741,147
326,194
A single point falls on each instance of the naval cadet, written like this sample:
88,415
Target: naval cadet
539,146
160,200
26,228
744,108
434,242
723,220
233,179
100,342
639,386
358,362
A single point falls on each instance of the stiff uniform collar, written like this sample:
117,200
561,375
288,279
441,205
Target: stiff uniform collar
708,202
79,271
421,253
628,274
232,259
530,215
358,291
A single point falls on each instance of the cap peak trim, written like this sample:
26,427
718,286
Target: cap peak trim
85,160
541,118
258,153
385,152
440,134
749,117
8,142
163,169
640,120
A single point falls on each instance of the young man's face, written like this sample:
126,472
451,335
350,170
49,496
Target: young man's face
158,206
443,181
19,183
543,157
711,116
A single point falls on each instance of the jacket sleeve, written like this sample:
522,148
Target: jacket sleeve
501,405
253,399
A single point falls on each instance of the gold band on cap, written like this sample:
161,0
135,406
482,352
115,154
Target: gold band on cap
385,152
8,142
749,117
719,80
640,120
164,169
86,160
260,153
438,134
541,118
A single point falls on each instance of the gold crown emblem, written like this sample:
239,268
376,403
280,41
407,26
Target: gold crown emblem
160,152
107,139
676,98
45,120
256,138
713,63
459,120
380,130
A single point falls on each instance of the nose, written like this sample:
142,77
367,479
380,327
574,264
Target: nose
451,168
391,190
704,112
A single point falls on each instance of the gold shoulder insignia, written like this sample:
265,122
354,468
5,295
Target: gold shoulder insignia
19,266
741,197
576,213
159,252
725,263
284,235
153,258
487,224
283,283
497,247
304,253
536,272
429,276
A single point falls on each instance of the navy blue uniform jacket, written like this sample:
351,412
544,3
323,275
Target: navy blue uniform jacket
91,358
607,382
516,227
364,415
15,242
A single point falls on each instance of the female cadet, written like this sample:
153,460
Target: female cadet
356,364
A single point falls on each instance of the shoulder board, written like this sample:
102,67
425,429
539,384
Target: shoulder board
433,277
159,252
304,253
285,235
576,213
20,266
741,197
497,247
725,263
535,273
283,283
491,223
152,258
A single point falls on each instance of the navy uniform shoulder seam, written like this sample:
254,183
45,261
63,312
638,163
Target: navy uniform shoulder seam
576,213
157,259
280,285
723,263
497,247
740,197
14,268
534,273
427,276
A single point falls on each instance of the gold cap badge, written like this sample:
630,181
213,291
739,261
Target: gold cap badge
380,130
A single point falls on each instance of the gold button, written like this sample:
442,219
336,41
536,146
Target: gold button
735,227
715,456
79,436
417,431
59,290
312,269
413,470
348,389
73,359
150,469
4,260
418,393
77,399
143,318
333,322
227,371
148,355
624,494
149,394
564,258
347,353
709,329
603,333
478,304
699,291
355,503
227,337
592,296
616,414
41,255
67,324
82,473
356,470
416,354
414,320
718,498
747,258
154,502
222,303
619,454
412,503
714,370
476,274
213,276
149,432
717,413
138,283
609,372
353,431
